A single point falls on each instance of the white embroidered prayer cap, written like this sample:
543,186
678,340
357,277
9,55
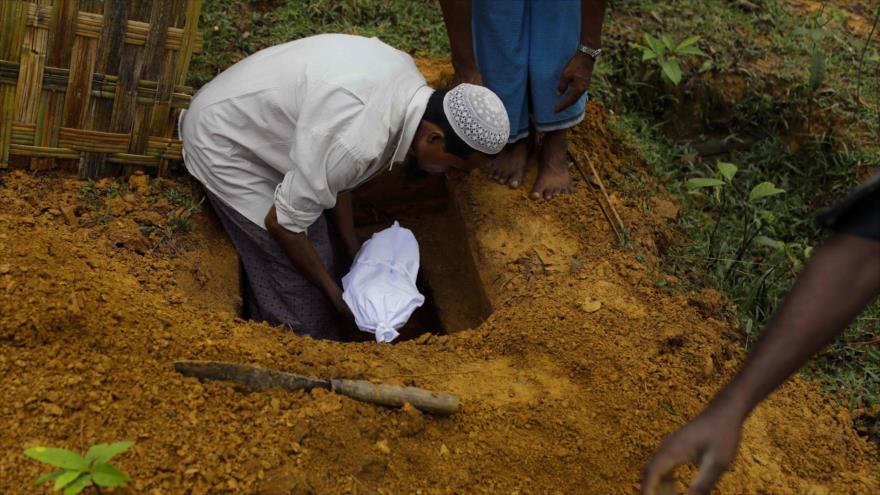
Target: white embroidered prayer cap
478,116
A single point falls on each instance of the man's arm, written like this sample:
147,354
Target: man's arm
457,16
576,76
343,217
305,259
838,282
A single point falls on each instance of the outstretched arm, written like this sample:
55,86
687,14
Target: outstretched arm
457,16
306,261
840,280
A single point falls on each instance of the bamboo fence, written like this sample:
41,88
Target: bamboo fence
94,85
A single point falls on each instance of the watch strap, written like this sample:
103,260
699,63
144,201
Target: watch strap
592,52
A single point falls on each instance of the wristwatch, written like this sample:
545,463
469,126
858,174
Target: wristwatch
592,52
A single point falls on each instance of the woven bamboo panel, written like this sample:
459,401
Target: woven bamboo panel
95,85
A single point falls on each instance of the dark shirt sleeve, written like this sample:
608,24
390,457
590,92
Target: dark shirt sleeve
857,214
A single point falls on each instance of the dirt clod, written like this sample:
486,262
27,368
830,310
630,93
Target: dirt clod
382,446
591,305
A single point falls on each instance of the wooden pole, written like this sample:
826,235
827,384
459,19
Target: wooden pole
13,16
62,30
115,20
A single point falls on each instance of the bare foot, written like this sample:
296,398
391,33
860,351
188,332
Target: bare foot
553,179
508,167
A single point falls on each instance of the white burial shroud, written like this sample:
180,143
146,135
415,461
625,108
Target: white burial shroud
381,288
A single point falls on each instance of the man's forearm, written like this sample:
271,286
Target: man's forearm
343,218
457,16
838,282
592,16
304,258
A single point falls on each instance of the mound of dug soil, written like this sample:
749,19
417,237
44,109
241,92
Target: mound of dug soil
584,364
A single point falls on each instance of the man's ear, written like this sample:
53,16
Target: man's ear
435,135
427,134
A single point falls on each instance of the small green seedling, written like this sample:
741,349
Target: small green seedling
76,472
667,53
724,177
756,217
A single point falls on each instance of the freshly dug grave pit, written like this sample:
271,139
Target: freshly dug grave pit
583,366
455,299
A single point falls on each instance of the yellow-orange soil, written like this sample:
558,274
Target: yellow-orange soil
584,365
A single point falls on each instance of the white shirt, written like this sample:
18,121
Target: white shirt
298,123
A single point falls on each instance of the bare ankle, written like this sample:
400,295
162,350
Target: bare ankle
554,150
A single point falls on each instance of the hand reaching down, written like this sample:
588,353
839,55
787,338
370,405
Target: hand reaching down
711,440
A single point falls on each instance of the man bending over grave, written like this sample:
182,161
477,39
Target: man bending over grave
281,138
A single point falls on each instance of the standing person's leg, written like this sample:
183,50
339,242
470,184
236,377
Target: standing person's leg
275,292
501,47
555,31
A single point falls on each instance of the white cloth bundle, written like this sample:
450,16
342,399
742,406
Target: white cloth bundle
381,288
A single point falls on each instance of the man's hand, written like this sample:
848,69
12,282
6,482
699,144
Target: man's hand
711,440
575,80
343,309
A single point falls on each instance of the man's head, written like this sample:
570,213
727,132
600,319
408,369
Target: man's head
461,129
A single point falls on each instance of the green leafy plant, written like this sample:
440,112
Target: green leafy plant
78,472
668,54
754,222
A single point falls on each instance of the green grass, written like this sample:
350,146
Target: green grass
235,29
770,51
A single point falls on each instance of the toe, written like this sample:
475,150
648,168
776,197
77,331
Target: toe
518,176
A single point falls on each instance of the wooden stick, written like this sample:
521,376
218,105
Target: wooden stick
602,187
261,378
596,197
